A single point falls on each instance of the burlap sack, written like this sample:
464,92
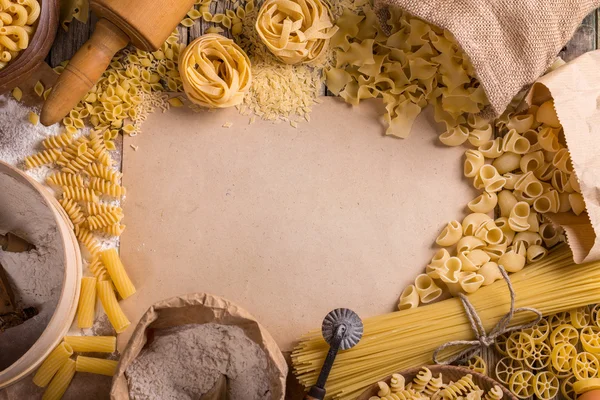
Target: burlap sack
511,43
199,308
575,88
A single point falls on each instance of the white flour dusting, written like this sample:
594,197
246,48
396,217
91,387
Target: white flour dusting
35,276
185,362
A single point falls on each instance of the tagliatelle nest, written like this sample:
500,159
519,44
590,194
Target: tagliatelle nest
215,72
295,31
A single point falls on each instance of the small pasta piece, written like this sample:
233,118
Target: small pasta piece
80,162
520,123
469,243
562,161
88,240
94,365
452,268
114,230
58,141
546,114
492,181
474,160
472,222
17,93
514,259
574,182
507,162
489,233
384,389
98,221
484,203
494,393
397,383
506,202
427,289
92,344
437,262
101,208
560,180
111,306
117,273
508,234
52,364
536,252
531,161
86,309
97,268
61,381
549,234
515,143
103,172
422,379
79,194
481,135
577,203
65,179
548,139
547,202
409,298
495,251
107,188
45,157
529,185
517,219
471,281
33,118
528,238
563,202
490,272
492,148
450,235
455,136
73,210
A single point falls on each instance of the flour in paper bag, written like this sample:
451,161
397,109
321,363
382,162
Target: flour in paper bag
185,362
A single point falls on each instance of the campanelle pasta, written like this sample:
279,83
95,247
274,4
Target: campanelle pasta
215,72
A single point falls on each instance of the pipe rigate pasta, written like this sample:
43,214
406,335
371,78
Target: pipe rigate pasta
473,260
455,136
507,162
508,234
520,123
409,298
562,161
492,180
470,281
452,268
450,235
473,221
65,179
437,261
45,157
490,272
474,160
517,220
481,135
536,252
547,202
513,260
549,234
491,148
427,289
546,114
506,202
531,161
484,203
469,243
515,143
297,31
489,233
576,202
511,180
215,71
529,238
529,185
548,139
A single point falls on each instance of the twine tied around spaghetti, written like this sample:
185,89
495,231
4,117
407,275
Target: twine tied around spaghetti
482,339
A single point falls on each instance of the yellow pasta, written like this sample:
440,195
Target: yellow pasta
409,298
114,230
481,135
450,235
42,158
492,148
92,344
576,202
117,272
33,117
472,222
65,179
546,114
61,381
17,93
97,268
52,364
515,143
492,181
79,194
80,162
86,310
111,306
96,365
490,272
507,162
518,218
474,160
58,141
98,221
426,288
470,281
101,208
547,202
484,203
73,210
455,136
513,260
88,240
106,187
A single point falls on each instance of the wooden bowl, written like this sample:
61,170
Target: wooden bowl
19,69
449,373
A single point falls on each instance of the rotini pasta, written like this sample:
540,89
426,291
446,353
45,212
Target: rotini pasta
113,230
58,141
106,187
101,208
45,157
99,221
79,194
73,210
103,172
88,240
65,179
80,162
97,268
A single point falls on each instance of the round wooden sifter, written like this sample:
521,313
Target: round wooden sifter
449,373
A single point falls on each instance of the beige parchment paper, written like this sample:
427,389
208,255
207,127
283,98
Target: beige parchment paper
199,308
288,223
575,88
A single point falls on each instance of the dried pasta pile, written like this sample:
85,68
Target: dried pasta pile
559,354
416,64
17,20
58,369
425,386
405,339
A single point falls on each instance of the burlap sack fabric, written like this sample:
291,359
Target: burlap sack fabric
510,42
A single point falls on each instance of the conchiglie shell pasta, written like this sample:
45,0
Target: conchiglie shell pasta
215,71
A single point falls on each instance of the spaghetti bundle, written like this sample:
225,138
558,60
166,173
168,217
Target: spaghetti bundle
404,339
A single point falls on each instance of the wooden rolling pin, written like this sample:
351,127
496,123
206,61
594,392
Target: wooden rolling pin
144,23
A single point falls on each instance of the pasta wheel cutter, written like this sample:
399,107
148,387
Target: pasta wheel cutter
342,329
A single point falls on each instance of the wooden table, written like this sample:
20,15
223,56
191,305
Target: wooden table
586,38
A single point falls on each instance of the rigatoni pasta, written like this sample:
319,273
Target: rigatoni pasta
111,306
61,381
117,273
52,364
86,310
92,344
94,365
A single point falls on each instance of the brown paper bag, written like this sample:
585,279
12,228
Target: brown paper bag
199,308
575,88
510,43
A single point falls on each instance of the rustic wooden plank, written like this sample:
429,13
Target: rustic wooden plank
584,39
68,42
